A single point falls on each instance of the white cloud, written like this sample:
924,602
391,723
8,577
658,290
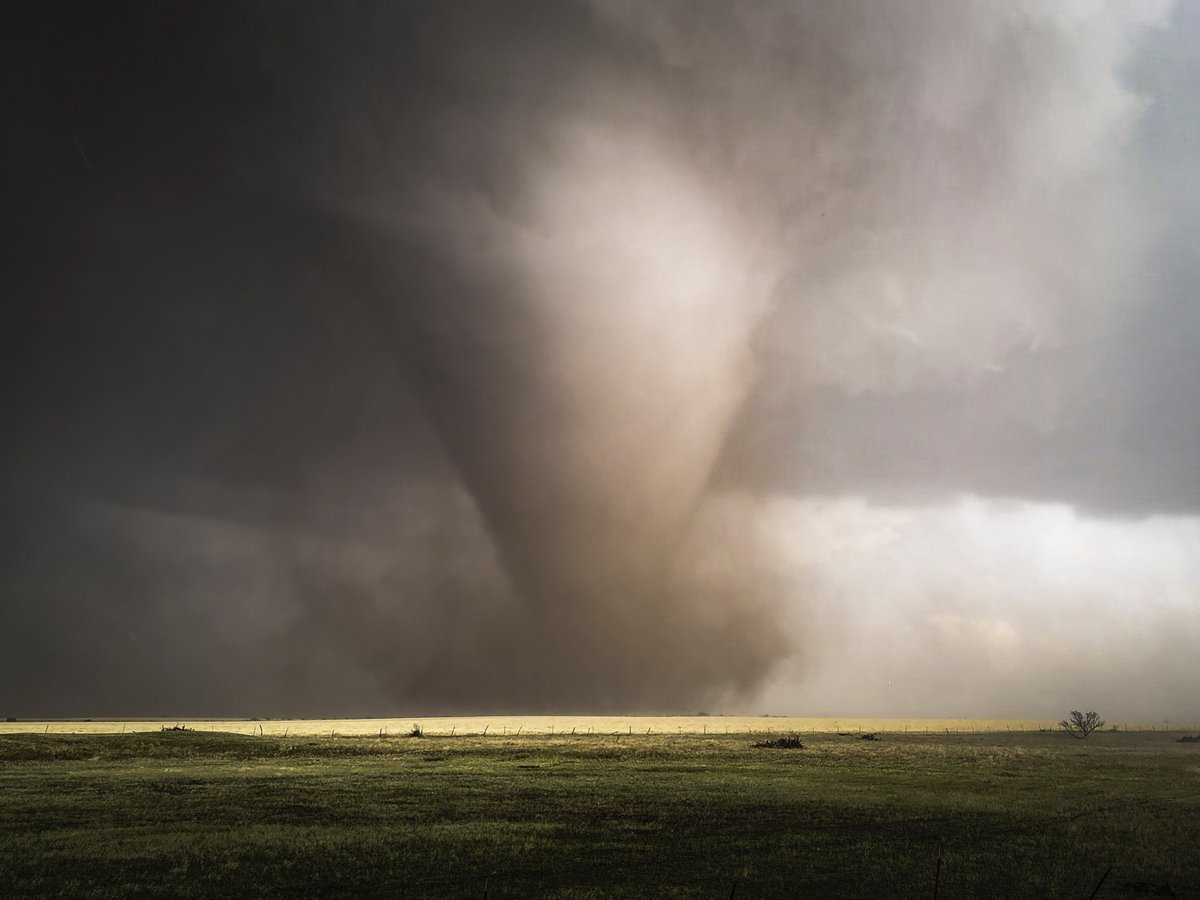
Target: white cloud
982,607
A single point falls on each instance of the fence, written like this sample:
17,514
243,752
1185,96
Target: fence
479,727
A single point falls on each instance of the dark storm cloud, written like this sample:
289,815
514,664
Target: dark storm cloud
403,356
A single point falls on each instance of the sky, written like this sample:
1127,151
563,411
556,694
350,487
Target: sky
602,356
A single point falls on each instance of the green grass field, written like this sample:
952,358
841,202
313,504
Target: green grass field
200,813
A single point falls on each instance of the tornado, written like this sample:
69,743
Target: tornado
600,241
582,352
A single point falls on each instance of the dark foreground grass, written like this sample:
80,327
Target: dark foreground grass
187,814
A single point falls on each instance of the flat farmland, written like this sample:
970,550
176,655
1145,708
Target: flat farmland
541,725
598,814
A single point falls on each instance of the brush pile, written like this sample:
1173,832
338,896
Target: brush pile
789,741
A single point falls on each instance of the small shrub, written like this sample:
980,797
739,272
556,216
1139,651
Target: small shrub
1189,739
175,728
789,741
416,731
868,736
1080,724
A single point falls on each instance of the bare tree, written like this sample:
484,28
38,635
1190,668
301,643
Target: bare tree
1081,724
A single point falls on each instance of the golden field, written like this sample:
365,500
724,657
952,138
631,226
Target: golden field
562,724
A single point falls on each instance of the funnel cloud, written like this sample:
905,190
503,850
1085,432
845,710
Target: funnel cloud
601,356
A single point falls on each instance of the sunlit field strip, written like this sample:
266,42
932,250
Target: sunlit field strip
560,725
